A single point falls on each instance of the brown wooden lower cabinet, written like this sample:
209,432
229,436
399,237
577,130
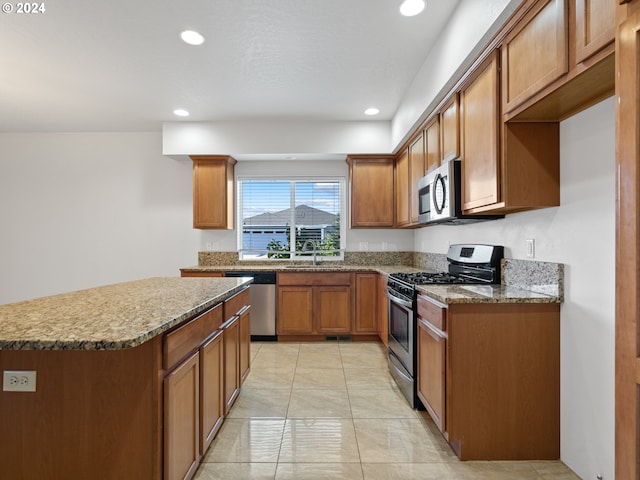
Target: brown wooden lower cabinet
147,412
211,389
182,420
314,304
231,341
501,388
318,305
245,343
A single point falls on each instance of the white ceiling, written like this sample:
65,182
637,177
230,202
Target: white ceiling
120,65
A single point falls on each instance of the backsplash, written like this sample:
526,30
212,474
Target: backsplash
542,277
214,259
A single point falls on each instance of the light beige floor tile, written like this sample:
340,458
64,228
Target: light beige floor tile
371,347
406,471
254,349
319,471
269,378
314,378
493,471
246,440
319,403
325,348
368,378
273,359
394,440
548,470
261,403
318,359
228,471
383,402
323,440
363,360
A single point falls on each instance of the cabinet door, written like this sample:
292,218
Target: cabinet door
535,54
213,192
416,171
295,310
372,192
402,189
211,389
383,310
595,26
333,309
231,341
450,130
432,144
245,343
431,372
480,153
366,303
181,419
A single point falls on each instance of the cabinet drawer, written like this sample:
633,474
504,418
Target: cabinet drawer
434,313
187,338
233,305
314,279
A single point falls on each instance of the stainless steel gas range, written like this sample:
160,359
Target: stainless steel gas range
468,264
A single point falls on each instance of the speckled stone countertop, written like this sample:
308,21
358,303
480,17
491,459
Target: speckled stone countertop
449,294
112,317
523,281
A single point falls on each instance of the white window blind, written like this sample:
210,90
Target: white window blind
290,218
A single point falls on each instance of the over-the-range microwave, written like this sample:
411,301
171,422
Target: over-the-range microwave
439,197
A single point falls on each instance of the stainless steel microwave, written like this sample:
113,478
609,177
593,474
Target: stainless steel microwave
440,199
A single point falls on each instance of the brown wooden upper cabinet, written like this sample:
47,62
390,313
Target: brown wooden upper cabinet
506,167
403,215
372,191
213,187
432,143
557,59
479,102
535,53
595,26
450,130
416,171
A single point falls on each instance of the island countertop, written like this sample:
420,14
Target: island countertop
111,317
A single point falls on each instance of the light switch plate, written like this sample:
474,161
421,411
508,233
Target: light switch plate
531,248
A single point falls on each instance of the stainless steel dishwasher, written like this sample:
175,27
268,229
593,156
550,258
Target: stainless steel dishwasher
263,304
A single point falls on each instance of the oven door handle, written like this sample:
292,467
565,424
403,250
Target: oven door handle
400,301
399,372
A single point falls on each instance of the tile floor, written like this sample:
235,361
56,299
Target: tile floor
331,411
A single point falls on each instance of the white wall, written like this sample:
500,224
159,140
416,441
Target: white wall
375,239
472,25
81,210
274,136
580,234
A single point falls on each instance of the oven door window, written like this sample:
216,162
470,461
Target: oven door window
400,320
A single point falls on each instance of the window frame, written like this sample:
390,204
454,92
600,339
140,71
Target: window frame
294,256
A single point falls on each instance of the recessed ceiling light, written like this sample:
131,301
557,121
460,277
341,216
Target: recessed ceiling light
192,38
409,8
180,112
371,111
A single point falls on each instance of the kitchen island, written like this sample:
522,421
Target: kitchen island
106,392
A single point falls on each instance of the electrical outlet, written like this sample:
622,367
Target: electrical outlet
19,381
531,248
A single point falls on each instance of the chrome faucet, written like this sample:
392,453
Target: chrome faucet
315,251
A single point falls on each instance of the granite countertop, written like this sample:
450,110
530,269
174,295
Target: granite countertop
449,294
306,267
112,317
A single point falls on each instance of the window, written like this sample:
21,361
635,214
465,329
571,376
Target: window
287,218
